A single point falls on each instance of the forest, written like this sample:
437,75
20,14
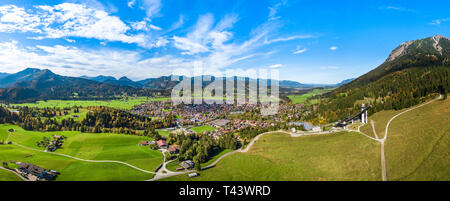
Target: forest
398,90
98,120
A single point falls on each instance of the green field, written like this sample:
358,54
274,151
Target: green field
299,99
81,115
172,166
215,157
70,169
86,146
120,104
201,129
418,143
6,175
279,157
164,132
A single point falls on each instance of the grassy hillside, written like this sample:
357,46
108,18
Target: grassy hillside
6,175
418,143
73,170
299,99
201,129
279,157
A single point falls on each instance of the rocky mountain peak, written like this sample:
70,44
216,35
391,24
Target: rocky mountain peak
399,51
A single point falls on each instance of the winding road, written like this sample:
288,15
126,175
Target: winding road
163,172
85,160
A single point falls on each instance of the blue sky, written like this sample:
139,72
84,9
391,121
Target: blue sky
307,41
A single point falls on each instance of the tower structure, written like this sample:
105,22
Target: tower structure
363,114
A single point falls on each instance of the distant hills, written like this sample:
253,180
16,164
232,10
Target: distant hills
35,84
412,73
165,82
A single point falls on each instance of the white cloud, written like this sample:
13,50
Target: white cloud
73,61
177,24
396,8
197,40
333,48
273,11
283,39
212,43
70,20
300,51
438,22
276,66
144,25
152,7
131,3
15,19
70,40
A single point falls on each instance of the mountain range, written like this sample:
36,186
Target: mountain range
35,84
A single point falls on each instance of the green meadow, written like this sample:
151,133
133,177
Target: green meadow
70,169
280,157
87,146
6,175
125,103
165,133
201,129
418,142
299,99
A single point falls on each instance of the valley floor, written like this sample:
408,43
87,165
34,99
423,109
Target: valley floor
416,148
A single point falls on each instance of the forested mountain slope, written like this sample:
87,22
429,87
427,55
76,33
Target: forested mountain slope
414,72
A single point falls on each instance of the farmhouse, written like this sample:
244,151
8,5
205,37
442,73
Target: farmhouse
34,172
144,143
174,149
187,164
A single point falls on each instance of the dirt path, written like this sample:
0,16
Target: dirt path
383,163
85,160
372,123
7,138
383,140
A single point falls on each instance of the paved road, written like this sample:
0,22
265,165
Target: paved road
23,178
161,175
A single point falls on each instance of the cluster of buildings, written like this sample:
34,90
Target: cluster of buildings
190,114
225,126
162,144
55,143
